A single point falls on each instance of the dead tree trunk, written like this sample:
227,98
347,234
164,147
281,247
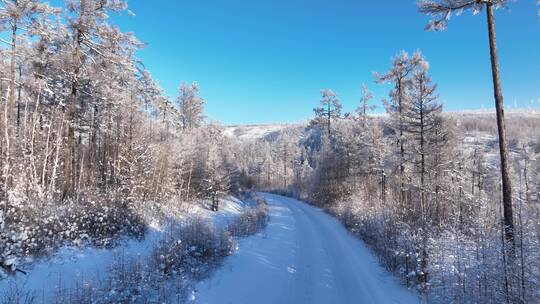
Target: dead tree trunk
503,145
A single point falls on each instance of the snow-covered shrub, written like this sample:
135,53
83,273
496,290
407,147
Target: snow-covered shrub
193,248
33,229
250,221
131,281
189,252
17,294
461,266
100,222
19,235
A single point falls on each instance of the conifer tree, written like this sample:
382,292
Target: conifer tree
330,109
403,66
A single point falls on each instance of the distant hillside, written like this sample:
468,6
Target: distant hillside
254,132
518,121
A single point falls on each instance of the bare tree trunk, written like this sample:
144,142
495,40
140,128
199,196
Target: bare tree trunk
505,263
422,164
329,120
19,89
189,180
6,167
12,67
383,186
2,126
424,257
46,153
52,187
8,111
70,161
285,167
401,147
503,145
526,198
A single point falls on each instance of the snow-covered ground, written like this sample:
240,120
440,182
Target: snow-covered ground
229,210
304,256
71,267
253,132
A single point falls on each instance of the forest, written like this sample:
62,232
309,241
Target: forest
92,150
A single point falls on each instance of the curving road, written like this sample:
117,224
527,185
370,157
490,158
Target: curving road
303,256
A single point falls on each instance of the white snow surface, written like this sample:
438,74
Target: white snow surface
74,266
252,132
303,256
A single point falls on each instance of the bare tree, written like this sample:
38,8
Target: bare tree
440,12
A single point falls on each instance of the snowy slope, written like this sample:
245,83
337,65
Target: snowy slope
71,266
229,210
304,256
253,132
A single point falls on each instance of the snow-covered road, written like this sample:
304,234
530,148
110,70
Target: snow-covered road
303,256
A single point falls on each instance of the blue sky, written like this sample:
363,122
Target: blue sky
266,61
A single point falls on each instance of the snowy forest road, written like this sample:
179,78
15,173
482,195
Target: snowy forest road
303,256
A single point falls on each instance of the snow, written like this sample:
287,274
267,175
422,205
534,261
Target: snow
529,112
304,256
253,132
229,209
73,266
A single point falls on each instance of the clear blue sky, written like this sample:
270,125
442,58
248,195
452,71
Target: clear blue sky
265,61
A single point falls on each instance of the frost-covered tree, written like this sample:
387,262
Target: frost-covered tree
91,157
190,105
424,124
287,151
441,11
330,109
422,119
17,16
364,103
92,45
403,66
149,91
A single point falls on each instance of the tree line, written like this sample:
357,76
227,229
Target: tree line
419,185
91,148
451,208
